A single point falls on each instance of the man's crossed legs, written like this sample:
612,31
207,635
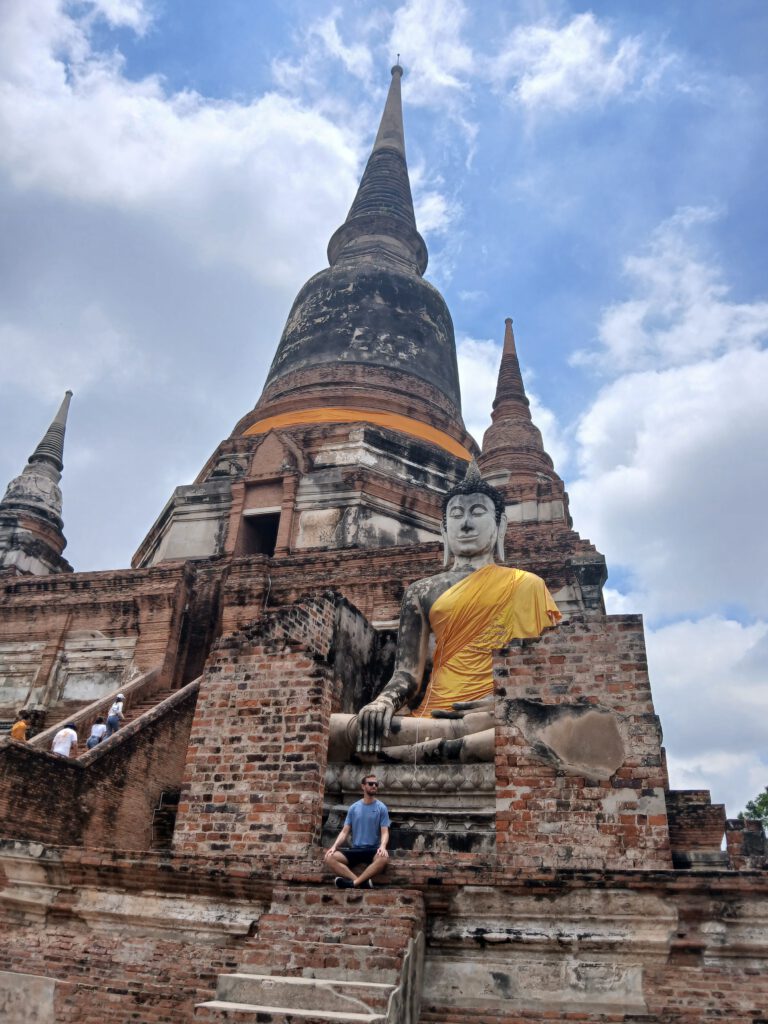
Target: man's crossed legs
343,860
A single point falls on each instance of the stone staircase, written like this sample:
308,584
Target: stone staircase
131,713
327,955
136,710
61,713
66,710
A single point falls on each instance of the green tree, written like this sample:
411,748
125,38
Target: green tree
757,808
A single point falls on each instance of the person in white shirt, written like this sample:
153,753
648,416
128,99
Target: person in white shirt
98,729
65,741
115,716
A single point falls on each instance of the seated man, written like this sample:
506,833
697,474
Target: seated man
473,608
368,822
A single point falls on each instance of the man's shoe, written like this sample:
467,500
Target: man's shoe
343,883
367,884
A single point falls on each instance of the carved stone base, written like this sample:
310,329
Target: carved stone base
433,807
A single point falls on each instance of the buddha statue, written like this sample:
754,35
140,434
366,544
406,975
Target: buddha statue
472,608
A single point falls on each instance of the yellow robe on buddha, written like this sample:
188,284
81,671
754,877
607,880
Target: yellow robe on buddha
475,617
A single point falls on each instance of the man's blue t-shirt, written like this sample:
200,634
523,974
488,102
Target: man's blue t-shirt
367,821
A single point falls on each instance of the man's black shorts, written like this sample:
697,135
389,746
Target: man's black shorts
359,854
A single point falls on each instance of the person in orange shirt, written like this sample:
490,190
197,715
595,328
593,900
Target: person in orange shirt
20,726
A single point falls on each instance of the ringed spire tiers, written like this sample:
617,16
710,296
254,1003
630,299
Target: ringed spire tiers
513,439
51,448
368,339
382,213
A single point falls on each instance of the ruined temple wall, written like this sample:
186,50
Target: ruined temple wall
580,778
145,937
587,947
132,950
106,799
134,617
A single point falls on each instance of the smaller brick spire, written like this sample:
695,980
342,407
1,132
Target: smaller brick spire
513,442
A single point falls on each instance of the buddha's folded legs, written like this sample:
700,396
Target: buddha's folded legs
468,749
408,732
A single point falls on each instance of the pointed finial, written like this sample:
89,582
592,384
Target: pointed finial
383,206
509,337
51,448
472,476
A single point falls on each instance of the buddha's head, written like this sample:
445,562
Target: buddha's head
474,519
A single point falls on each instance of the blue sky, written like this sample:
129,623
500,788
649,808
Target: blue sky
170,175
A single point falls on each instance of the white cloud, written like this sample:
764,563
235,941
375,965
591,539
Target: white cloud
133,14
560,68
219,174
436,213
680,308
710,684
673,464
44,360
429,34
356,58
617,603
674,481
308,71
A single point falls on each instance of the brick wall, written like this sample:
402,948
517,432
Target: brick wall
547,814
109,976
746,844
255,772
314,931
695,823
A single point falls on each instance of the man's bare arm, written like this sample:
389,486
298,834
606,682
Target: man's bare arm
383,843
340,840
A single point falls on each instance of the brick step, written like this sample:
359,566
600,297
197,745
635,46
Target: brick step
215,1011
324,994
332,909
360,932
61,713
138,709
301,957
486,1016
395,902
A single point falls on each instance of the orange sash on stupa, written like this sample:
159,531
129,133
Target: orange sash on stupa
475,617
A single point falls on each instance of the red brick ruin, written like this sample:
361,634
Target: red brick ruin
174,873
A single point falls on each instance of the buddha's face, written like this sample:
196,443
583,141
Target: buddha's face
470,525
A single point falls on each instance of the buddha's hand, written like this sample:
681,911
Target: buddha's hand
466,707
373,722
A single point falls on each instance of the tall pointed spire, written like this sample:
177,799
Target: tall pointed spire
51,448
509,387
31,528
513,442
368,339
381,216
